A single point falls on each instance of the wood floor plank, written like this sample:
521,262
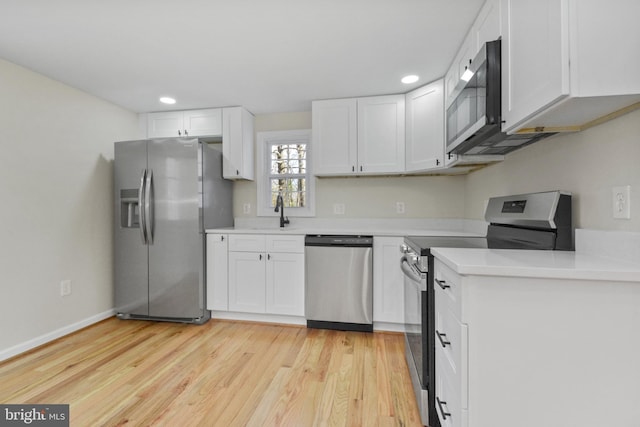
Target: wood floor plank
223,373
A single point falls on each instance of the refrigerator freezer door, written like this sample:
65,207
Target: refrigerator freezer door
131,274
176,250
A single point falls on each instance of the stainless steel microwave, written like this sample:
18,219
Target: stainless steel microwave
474,118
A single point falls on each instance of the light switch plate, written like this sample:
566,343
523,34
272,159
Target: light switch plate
621,202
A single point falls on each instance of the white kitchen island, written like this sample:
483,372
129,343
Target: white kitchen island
536,338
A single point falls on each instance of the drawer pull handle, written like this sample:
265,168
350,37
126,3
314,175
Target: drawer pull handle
441,407
443,339
443,284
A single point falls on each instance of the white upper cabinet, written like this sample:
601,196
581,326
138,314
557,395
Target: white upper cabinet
425,142
207,122
457,68
486,27
359,136
234,125
568,63
381,128
334,136
237,143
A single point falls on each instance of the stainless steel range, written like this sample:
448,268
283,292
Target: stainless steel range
526,221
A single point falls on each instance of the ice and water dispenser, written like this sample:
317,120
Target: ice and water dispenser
129,208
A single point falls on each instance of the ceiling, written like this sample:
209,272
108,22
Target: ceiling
266,55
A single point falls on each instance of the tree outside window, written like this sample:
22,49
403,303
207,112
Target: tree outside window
288,174
285,168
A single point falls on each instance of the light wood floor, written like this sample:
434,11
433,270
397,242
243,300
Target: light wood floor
139,373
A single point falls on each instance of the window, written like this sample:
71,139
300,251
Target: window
284,168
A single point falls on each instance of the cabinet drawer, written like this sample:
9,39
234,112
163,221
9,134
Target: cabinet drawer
289,244
451,343
448,288
451,339
247,243
448,399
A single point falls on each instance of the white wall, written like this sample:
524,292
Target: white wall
587,163
55,203
364,197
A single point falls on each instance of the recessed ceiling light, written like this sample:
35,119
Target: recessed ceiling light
167,100
410,79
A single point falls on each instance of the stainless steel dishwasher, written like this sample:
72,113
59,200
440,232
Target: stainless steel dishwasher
339,282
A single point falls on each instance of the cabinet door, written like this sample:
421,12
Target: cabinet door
535,58
237,143
425,127
381,129
247,282
203,122
285,284
334,136
488,25
217,272
465,54
388,280
165,125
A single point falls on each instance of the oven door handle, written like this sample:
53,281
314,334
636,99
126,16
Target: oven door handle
409,271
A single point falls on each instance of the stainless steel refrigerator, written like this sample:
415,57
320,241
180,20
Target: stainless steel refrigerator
166,193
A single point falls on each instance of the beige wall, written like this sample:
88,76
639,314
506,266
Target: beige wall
587,163
365,197
55,209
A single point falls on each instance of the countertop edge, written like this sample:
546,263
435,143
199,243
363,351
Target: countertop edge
511,263
341,231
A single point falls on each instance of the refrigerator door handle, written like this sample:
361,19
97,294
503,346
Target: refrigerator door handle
148,207
141,211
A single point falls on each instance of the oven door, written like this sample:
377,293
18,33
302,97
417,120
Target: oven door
415,289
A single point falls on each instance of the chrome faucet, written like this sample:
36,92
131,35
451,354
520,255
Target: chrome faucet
280,208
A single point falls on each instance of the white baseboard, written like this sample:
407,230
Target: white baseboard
388,327
258,317
48,337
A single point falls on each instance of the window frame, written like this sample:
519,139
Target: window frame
268,138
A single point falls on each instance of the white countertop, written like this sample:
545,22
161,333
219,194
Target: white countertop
364,226
348,231
541,264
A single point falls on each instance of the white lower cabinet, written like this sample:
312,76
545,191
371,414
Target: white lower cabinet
535,351
266,274
388,281
285,283
217,272
247,280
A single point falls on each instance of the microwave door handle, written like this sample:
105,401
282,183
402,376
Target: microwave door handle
141,212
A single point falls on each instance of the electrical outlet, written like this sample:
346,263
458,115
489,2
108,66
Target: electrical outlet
246,208
65,288
621,202
338,208
400,207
